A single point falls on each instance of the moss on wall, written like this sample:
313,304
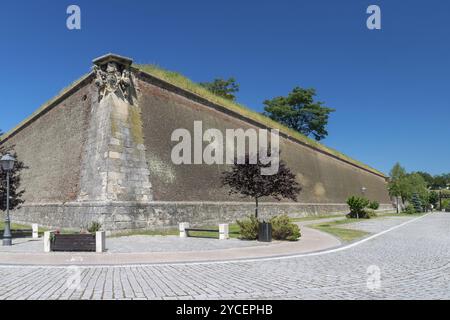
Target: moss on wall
135,120
324,179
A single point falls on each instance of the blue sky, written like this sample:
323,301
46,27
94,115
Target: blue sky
390,87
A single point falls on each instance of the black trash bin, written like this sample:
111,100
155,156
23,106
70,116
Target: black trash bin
265,232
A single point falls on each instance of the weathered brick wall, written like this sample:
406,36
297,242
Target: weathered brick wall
52,147
87,162
324,179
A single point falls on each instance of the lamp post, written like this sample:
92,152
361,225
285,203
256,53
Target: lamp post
7,165
363,191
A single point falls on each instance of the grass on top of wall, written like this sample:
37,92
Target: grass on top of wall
183,82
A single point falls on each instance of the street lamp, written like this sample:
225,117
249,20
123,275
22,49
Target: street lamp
363,191
7,165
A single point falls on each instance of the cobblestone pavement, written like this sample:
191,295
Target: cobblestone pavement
413,261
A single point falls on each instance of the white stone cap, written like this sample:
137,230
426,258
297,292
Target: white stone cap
111,57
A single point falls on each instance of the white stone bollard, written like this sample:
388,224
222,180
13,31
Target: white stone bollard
224,231
35,228
48,240
100,241
183,227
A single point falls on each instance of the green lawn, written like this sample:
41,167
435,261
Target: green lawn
402,214
343,234
165,232
348,235
317,217
15,226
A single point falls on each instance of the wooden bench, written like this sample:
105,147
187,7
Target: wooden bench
223,233
200,230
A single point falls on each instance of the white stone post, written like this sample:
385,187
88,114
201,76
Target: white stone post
183,227
35,228
100,241
48,240
224,231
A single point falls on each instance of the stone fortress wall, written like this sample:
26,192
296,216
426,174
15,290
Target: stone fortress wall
101,151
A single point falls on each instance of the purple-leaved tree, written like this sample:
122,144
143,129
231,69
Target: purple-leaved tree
246,179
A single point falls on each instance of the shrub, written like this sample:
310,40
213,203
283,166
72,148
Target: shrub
374,205
357,206
409,209
369,213
94,227
284,229
248,228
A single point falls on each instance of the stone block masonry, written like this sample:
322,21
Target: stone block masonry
100,151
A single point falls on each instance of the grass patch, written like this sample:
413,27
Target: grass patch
346,235
402,214
163,232
233,232
310,218
16,226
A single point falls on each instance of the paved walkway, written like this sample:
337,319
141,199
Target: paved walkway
411,261
169,249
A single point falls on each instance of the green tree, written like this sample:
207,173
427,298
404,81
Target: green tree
433,198
14,189
415,184
299,111
224,88
441,181
395,185
427,177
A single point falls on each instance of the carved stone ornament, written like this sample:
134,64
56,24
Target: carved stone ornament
112,75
